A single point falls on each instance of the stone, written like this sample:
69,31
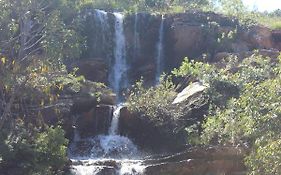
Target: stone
92,69
276,35
189,91
259,37
95,122
204,161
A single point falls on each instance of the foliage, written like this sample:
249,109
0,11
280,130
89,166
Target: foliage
154,102
149,5
273,22
51,147
155,106
44,153
251,117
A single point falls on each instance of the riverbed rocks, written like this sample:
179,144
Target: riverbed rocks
201,161
218,160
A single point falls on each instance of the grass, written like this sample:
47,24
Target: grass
271,22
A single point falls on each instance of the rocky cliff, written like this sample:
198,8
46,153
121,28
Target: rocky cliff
196,35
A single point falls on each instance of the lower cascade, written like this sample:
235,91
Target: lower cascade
106,154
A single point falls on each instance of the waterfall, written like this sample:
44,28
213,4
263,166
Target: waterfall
103,20
136,37
105,150
118,75
160,54
109,149
102,26
113,130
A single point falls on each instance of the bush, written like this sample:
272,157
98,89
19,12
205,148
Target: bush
51,147
154,102
43,154
251,118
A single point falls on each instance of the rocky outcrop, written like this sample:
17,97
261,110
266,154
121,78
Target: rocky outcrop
195,161
194,34
258,37
94,70
189,91
276,35
95,122
149,133
201,161
89,108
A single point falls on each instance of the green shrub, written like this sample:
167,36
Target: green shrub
154,102
252,117
44,153
51,147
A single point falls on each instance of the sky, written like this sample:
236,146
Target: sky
263,5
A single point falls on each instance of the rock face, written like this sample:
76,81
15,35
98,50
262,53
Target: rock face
195,161
94,122
276,35
201,161
88,112
92,69
189,91
194,34
168,135
259,37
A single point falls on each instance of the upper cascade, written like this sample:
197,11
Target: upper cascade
118,75
160,54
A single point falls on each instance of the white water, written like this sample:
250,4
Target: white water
102,20
118,75
136,37
113,130
109,149
104,150
160,54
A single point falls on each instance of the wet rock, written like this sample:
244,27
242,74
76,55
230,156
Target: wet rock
86,98
107,171
95,122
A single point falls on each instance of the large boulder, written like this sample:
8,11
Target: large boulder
149,133
94,70
91,94
276,35
95,122
201,161
259,37
189,91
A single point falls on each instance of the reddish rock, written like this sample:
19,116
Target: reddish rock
204,161
276,35
92,69
94,122
259,37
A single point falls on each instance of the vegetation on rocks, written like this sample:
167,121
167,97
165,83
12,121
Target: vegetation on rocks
250,115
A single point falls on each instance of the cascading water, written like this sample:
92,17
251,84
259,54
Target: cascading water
102,19
118,75
136,37
109,152
112,153
101,16
160,54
